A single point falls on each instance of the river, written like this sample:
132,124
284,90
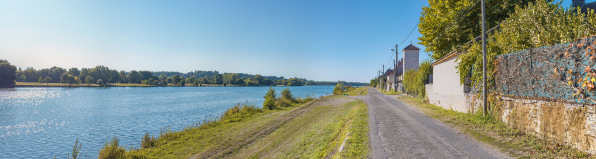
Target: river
43,122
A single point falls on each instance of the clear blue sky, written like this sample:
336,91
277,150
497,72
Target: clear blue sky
320,40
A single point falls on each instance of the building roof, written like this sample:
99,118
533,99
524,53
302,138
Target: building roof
411,47
459,51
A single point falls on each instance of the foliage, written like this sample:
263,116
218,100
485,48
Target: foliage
415,80
111,150
182,83
76,151
148,141
47,80
269,103
294,82
176,79
338,89
539,24
40,80
195,83
101,83
436,19
270,93
287,94
374,82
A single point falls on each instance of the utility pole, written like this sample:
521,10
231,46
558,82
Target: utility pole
484,106
383,73
395,70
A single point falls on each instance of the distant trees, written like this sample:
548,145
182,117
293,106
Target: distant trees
88,80
101,83
134,77
47,80
294,82
40,80
7,74
176,79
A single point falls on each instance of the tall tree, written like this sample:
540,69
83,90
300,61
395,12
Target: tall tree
74,71
218,78
7,74
122,75
134,77
447,25
47,80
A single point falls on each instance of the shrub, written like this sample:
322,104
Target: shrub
338,89
148,141
282,102
270,93
269,103
237,111
414,80
287,94
101,83
111,150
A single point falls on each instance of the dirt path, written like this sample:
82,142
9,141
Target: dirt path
239,143
401,131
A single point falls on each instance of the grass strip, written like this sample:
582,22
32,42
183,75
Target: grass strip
496,133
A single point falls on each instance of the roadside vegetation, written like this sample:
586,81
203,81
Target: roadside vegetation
341,89
300,128
496,133
415,80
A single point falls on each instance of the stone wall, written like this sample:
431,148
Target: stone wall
565,123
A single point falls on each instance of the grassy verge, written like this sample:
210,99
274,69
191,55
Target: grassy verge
389,92
497,133
312,130
358,91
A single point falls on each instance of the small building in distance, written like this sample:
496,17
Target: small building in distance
410,60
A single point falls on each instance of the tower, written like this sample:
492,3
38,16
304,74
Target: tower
411,57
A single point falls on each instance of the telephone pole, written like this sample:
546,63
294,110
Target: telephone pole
484,106
395,70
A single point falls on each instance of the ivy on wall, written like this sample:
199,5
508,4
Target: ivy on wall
539,24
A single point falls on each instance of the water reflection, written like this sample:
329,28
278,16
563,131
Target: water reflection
45,122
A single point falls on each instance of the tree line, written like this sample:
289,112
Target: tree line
102,75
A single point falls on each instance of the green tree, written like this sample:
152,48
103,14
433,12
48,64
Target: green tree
269,103
176,79
7,74
270,93
542,23
101,83
64,78
240,82
447,25
134,77
47,80
338,89
294,82
40,80
122,75
88,80
218,78
195,83
182,83
74,71
287,94
205,80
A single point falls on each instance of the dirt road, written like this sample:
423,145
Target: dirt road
398,130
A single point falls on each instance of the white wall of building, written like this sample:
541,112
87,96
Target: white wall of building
446,79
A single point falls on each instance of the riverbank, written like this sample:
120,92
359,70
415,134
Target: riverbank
37,84
331,126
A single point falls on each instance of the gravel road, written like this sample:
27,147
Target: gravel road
398,130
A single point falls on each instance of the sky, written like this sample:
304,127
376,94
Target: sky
318,40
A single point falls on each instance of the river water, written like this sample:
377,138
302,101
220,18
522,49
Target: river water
45,122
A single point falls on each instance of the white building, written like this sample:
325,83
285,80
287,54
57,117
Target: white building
410,60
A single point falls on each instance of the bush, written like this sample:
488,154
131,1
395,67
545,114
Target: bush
101,83
237,111
287,94
414,80
111,150
269,103
282,102
148,141
338,89
182,83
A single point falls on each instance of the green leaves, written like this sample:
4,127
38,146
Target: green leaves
437,36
